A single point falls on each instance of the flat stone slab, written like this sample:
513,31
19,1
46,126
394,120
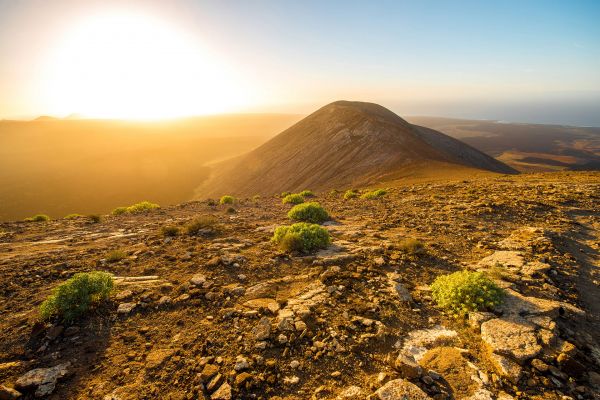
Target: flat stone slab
515,305
400,389
504,258
419,341
513,338
42,379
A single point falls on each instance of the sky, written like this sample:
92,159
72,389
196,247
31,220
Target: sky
520,61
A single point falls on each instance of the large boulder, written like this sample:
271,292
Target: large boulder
43,380
513,338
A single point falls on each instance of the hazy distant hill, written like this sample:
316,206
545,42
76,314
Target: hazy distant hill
59,166
341,145
526,147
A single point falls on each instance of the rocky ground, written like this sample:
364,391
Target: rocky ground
226,315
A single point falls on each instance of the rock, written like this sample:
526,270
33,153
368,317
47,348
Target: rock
241,363
513,338
222,393
262,330
198,280
594,379
419,341
263,303
481,394
516,305
7,393
156,358
476,318
208,372
507,368
504,258
124,295
402,292
54,332
331,272
42,379
407,366
539,365
352,393
400,389
214,382
242,378
126,308
291,380
165,301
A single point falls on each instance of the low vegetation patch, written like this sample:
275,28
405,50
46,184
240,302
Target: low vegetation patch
308,212
411,246
464,291
94,218
301,237
373,194
204,223
350,194
73,216
169,231
307,193
38,218
284,194
138,208
227,200
115,256
77,295
293,198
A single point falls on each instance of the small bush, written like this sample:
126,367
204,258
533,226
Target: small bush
169,231
203,223
38,218
256,198
466,291
285,194
307,193
119,211
227,200
350,194
308,212
302,237
230,210
73,216
74,297
411,246
293,199
142,207
115,256
374,194
94,218
138,208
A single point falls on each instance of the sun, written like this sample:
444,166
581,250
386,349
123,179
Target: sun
132,66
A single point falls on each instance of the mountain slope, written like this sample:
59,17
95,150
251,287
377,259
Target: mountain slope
342,144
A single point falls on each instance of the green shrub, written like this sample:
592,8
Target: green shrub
73,216
284,194
142,207
227,200
307,193
350,194
74,297
94,218
466,291
411,246
308,212
256,198
202,223
119,211
374,194
115,256
137,208
301,236
169,231
38,218
293,199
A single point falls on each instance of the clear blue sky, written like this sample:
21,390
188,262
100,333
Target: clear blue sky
531,61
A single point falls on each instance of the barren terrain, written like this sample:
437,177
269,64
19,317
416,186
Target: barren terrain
227,315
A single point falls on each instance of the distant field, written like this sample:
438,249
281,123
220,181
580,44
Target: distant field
59,167
525,147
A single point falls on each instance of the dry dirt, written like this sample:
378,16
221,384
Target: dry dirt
263,325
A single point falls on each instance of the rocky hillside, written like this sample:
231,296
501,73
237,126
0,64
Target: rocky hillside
224,314
341,145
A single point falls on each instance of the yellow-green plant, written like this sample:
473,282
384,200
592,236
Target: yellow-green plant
308,212
38,218
302,237
411,246
227,200
77,295
464,291
73,216
137,208
307,193
373,194
293,198
115,256
350,194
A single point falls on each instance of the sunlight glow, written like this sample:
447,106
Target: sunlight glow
134,66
